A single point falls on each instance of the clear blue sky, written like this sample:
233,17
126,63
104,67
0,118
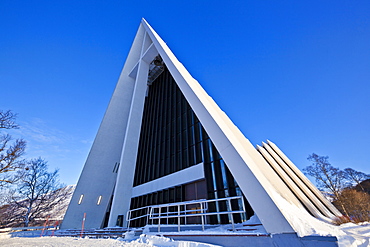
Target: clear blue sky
294,72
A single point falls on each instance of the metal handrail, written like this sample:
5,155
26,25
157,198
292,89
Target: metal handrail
128,216
201,211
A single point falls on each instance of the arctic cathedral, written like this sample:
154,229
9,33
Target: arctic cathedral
165,153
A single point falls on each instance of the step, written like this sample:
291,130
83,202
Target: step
174,228
252,224
242,229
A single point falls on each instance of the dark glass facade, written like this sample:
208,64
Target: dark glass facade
172,138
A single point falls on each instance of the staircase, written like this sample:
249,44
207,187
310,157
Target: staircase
247,228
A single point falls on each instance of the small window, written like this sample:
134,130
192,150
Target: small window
80,200
119,220
99,200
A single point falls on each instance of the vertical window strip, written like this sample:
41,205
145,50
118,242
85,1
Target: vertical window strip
168,119
80,199
99,200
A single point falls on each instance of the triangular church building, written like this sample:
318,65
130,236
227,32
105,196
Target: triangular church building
164,141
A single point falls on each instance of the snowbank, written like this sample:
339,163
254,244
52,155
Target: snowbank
142,241
349,235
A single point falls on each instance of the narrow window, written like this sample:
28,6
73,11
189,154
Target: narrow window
117,167
80,200
99,200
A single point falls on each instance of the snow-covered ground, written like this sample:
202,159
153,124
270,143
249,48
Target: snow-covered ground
256,229
142,241
349,235
355,235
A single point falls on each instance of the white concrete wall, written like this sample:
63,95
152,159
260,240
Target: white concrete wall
97,177
124,183
184,176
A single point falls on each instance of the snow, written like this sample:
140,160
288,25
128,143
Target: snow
349,235
221,229
142,241
355,235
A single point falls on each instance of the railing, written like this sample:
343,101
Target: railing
29,228
174,210
180,210
129,214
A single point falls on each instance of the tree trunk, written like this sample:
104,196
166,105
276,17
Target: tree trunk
27,216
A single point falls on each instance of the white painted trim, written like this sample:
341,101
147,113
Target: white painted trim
184,176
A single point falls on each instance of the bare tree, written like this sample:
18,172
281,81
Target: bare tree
357,204
356,177
7,120
10,152
7,218
327,177
38,192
